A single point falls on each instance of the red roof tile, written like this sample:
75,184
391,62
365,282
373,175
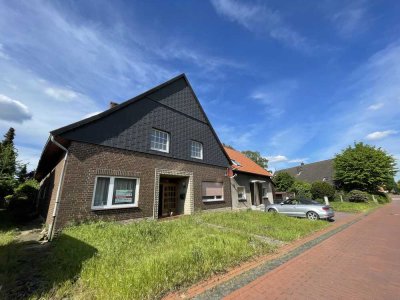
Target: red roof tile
247,165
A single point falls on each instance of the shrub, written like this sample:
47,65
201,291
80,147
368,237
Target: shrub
319,189
381,198
357,196
22,203
7,185
301,189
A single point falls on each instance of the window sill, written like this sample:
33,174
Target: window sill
158,150
214,200
242,200
114,207
199,158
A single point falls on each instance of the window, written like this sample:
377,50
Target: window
212,191
236,163
159,140
115,192
241,193
265,192
196,150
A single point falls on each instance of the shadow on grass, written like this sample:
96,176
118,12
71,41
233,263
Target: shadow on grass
29,269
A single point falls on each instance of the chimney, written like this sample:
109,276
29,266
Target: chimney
113,104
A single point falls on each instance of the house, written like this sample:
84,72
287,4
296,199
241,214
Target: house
153,156
317,171
251,184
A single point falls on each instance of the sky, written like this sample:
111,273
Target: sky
298,81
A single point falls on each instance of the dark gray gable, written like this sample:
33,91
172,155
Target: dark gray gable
172,108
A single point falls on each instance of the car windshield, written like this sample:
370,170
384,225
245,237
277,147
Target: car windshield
308,201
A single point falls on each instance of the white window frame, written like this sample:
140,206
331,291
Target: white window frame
244,193
201,149
109,204
214,199
168,140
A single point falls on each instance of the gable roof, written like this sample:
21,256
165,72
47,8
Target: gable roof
312,172
174,98
245,164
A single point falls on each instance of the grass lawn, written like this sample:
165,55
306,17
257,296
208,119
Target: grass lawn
148,259
353,207
275,226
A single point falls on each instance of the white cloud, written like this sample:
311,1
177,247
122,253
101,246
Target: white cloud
91,114
61,93
376,106
260,19
377,135
13,110
275,96
277,158
298,160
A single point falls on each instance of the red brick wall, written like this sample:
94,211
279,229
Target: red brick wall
86,161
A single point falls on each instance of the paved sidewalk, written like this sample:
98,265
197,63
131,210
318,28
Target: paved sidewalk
360,262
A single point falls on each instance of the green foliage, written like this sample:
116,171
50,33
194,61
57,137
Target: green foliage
352,207
319,189
301,189
8,163
283,181
257,158
357,196
21,202
363,167
7,185
382,198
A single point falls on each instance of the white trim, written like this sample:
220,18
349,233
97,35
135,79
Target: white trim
109,204
244,192
213,200
168,141
201,149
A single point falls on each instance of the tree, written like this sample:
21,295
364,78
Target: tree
257,158
363,167
9,137
283,181
302,189
22,173
320,189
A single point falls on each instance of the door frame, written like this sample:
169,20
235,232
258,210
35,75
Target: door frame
189,198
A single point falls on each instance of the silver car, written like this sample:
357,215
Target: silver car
302,208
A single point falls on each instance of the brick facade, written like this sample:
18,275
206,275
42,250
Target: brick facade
86,161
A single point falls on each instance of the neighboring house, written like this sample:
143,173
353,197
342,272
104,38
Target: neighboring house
153,156
251,184
317,171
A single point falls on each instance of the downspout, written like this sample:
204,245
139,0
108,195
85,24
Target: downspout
57,203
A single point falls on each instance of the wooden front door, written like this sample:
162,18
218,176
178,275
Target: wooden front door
169,199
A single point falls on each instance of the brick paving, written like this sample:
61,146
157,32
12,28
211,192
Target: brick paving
360,262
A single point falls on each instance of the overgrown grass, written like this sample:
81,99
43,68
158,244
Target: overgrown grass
142,260
353,207
8,253
276,226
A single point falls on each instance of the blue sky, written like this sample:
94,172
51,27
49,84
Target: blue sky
295,80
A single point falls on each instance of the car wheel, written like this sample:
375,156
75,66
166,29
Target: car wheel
312,216
271,210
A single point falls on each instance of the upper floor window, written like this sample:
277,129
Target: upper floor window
196,150
159,140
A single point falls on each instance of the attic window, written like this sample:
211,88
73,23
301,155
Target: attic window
196,150
236,163
159,140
